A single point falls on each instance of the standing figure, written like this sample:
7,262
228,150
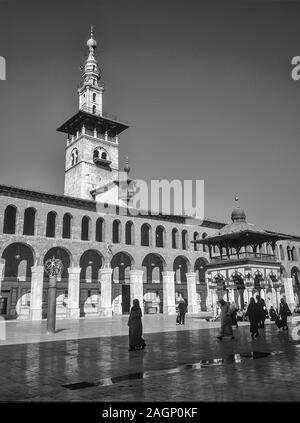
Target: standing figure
254,314
262,311
136,342
182,308
284,312
226,328
234,309
272,314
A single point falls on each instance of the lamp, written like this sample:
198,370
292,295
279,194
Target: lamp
18,255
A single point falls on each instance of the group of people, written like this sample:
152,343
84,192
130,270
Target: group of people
256,313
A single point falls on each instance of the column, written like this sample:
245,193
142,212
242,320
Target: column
289,292
192,294
105,278
73,310
136,286
36,291
214,298
169,292
2,265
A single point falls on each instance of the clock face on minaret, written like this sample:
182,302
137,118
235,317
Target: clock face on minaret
92,151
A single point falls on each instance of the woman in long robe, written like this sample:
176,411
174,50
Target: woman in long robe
136,340
254,314
226,327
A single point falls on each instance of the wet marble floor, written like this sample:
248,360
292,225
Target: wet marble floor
180,363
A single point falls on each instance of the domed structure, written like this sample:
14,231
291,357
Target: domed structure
91,43
238,214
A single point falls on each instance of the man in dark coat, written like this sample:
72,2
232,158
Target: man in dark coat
284,312
262,311
182,310
135,327
254,314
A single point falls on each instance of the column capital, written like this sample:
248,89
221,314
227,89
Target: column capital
106,271
37,269
190,274
136,272
168,273
74,270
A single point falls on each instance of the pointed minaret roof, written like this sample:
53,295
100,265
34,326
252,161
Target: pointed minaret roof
92,71
126,167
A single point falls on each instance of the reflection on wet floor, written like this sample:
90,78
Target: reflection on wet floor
202,364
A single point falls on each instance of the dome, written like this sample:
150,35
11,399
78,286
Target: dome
91,43
238,215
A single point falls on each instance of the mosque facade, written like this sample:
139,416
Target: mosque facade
110,255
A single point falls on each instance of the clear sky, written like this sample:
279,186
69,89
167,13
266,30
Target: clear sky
205,86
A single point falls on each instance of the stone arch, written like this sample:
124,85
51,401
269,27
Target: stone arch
283,272
181,266
18,257
195,238
121,263
184,239
64,255
67,226
175,238
295,274
153,265
100,229
200,269
129,233
146,240
281,251
10,219
116,231
160,236
204,247
51,224
85,228
29,225
90,262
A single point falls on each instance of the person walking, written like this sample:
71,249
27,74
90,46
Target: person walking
254,314
284,312
234,309
182,308
272,314
136,341
262,311
226,328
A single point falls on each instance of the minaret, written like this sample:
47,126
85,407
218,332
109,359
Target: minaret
91,92
92,151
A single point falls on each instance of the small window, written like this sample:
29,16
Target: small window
94,97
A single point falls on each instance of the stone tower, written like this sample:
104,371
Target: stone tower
92,151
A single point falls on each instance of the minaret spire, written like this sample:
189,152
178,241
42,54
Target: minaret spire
90,92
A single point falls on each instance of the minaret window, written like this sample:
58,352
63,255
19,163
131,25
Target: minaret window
74,157
101,157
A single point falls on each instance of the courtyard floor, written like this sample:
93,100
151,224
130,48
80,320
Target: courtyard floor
88,360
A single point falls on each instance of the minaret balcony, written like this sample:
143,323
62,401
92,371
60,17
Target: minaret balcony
101,162
244,256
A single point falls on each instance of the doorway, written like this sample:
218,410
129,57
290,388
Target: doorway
125,299
3,306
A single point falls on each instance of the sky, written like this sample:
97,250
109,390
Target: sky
205,87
